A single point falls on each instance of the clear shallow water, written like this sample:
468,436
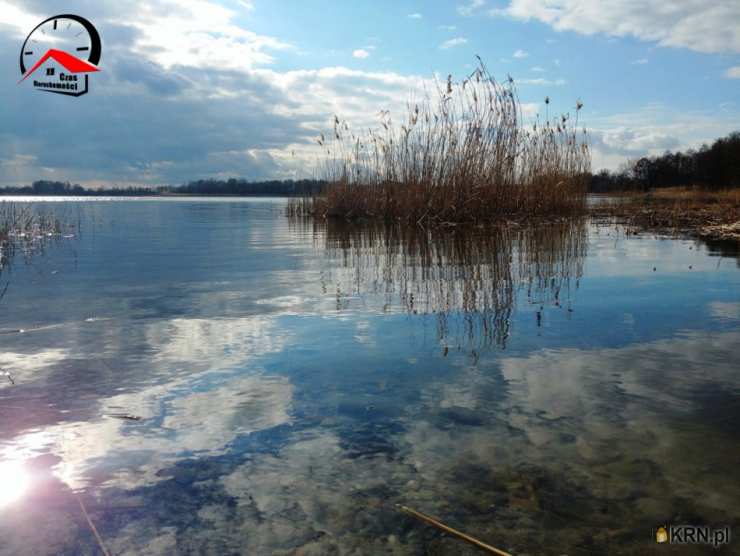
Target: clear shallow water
547,391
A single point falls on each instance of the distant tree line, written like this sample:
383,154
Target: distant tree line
45,187
711,167
200,187
244,187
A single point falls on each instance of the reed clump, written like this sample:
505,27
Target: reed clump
463,155
26,229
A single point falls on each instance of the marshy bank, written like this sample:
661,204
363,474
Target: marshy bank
462,156
707,214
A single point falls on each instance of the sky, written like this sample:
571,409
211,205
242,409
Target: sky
192,89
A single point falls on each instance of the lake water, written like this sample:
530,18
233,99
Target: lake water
209,377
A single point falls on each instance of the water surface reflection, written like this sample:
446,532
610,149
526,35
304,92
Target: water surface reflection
468,277
556,390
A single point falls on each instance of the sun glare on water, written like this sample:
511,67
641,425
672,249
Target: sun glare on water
14,482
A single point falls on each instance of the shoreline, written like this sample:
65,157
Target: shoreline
670,211
152,196
712,215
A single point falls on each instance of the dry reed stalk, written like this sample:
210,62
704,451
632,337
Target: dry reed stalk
454,532
92,527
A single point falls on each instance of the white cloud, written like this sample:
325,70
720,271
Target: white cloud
651,130
415,15
542,82
520,54
640,62
17,160
187,116
21,21
447,27
267,115
470,8
360,53
451,43
693,24
201,34
194,33
611,148
634,141
538,69
197,33
197,107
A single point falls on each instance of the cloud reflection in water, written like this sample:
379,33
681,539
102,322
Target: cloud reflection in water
198,412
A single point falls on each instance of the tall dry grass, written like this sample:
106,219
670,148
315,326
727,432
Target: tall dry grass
693,196
24,228
462,156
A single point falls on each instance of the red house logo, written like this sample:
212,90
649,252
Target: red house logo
46,56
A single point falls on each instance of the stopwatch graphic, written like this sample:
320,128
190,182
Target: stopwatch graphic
60,52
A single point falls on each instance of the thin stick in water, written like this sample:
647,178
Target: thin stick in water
454,532
92,527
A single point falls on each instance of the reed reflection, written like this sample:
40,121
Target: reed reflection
471,279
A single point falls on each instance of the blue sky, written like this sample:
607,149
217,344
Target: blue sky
200,88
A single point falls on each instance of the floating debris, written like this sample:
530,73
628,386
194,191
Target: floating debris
96,319
123,416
